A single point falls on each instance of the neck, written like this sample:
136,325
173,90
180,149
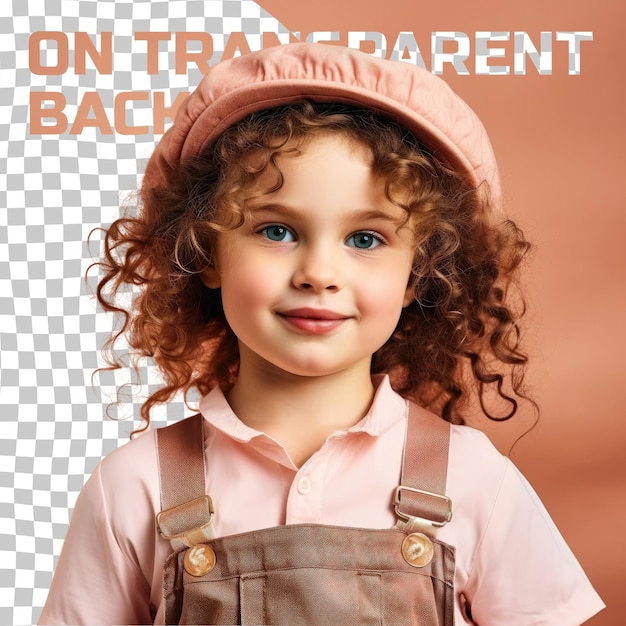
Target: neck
300,411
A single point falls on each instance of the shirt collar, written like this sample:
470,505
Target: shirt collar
386,409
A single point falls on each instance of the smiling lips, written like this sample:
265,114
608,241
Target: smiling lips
314,321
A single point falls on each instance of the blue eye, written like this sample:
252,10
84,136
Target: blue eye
364,240
277,232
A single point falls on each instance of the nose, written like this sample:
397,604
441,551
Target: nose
318,270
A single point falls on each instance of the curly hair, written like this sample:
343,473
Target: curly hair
458,339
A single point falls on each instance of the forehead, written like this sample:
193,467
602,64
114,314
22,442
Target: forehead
327,157
328,179
323,165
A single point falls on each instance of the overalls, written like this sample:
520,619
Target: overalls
308,573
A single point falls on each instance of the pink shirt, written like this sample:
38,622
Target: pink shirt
511,562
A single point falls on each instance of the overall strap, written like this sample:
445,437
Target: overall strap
420,500
186,511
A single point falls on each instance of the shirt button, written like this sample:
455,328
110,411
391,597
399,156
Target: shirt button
304,486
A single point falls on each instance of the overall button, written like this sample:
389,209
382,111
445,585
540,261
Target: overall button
199,560
304,486
417,550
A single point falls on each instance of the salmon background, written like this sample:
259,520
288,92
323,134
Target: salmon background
559,141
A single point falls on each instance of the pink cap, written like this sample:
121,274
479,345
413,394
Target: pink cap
279,75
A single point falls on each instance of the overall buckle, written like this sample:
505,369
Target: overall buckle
187,524
417,520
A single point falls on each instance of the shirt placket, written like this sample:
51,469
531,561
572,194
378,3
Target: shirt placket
305,498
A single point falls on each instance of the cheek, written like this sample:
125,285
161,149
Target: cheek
384,298
385,286
245,288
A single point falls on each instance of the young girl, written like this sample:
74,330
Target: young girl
321,244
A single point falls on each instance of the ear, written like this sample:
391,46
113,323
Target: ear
409,295
211,277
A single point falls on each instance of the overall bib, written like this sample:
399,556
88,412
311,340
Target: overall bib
308,573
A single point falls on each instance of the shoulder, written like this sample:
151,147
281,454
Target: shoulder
476,477
131,470
466,441
511,558
491,497
127,485
474,462
112,538
141,448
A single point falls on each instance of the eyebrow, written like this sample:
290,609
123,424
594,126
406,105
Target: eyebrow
362,214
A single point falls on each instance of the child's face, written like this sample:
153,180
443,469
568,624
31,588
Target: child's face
315,279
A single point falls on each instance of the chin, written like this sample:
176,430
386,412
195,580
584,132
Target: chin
318,368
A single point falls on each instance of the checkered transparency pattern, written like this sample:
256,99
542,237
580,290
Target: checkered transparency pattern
55,190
